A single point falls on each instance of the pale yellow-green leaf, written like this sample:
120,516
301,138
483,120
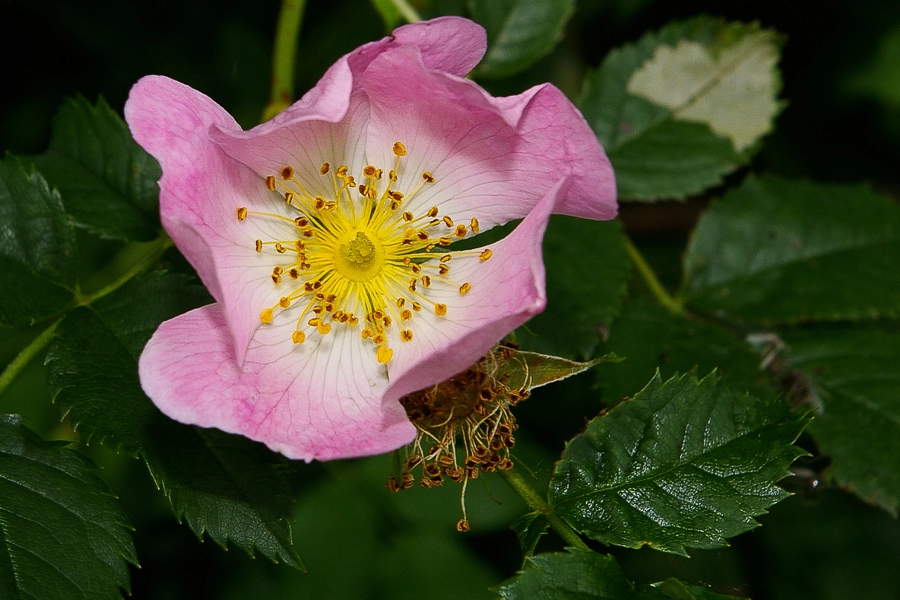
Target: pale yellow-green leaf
733,90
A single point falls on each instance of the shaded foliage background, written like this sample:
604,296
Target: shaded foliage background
839,126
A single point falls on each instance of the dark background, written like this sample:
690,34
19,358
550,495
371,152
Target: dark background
841,124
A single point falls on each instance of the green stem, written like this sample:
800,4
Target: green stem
281,94
408,12
656,288
537,503
160,245
13,369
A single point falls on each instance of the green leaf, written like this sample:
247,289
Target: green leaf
587,269
672,589
683,107
572,575
650,338
783,251
684,463
224,485
63,534
37,248
529,529
108,183
519,31
850,377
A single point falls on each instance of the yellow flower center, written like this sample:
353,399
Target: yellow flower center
357,257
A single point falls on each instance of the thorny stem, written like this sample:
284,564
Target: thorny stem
21,360
406,9
281,94
656,288
537,503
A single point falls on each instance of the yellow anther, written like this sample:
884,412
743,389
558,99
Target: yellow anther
369,171
259,245
416,306
284,302
288,197
461,231
325,168
443,270
363,189
464,288
342,171
301,222
428,177
401,302
266,316
399,149
294,273
366,333
407,216
323,328
485,254
432,212
319,202
384,354
298,337
242,213
406,314
426,280
474,225
440,309
270,183
406,335
446,257
287,173
448,221
279,248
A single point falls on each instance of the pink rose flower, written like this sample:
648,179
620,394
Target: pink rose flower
325,234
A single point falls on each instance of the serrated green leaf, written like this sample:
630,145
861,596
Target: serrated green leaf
519,31
851,378
672,132
587,270
672,160
223,485
37,248
572,575
63,534
108,183
672,589
650,338
731,86
782,251
685,463
529,529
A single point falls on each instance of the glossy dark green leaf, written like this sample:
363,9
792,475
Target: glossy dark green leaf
519,31
63,534
37,247
685,463
672,589
223,485
783,251
650,338
587,268
572,575
108,183
683,107
850,377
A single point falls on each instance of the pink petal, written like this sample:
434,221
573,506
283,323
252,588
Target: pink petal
507,290
305,402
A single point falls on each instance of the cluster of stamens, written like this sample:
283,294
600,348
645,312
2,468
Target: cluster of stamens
359,257
465,426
